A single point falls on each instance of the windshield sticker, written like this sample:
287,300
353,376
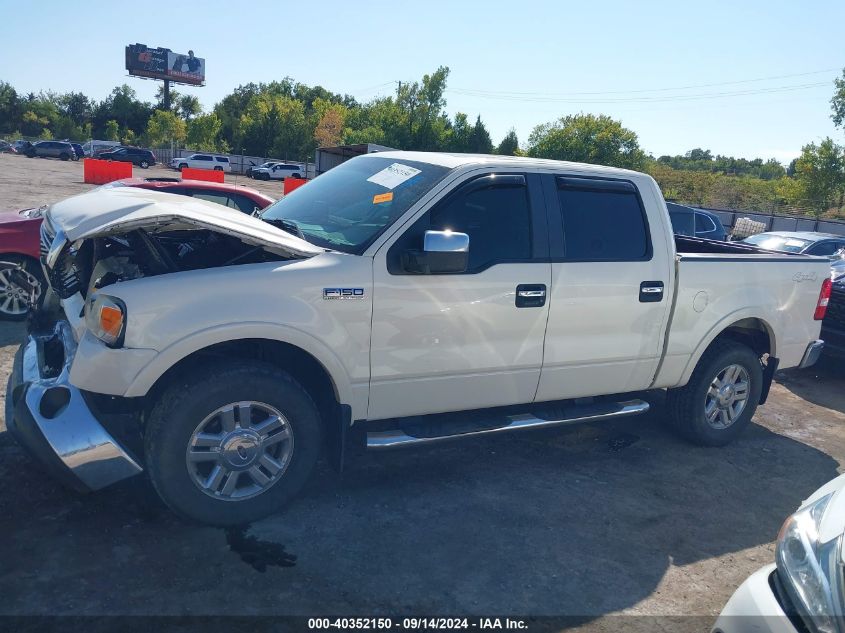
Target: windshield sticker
382,197
393,175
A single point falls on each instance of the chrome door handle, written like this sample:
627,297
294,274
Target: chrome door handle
530,295
651,291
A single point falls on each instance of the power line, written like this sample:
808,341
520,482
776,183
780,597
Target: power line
643,90
668,98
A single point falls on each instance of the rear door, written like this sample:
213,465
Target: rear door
609,294
450,342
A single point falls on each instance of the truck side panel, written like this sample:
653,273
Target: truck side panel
715,292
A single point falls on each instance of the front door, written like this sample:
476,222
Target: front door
449,342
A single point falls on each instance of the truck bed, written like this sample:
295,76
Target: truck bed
686,245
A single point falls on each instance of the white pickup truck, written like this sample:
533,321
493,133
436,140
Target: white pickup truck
224,354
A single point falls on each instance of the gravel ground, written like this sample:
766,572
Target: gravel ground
31,182
613,518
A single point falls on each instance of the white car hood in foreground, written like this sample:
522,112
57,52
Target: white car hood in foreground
105,211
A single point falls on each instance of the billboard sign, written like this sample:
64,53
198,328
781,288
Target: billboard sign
162,63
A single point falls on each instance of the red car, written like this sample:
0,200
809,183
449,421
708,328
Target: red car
21,279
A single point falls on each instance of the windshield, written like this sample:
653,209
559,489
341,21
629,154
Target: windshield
778,242
347,208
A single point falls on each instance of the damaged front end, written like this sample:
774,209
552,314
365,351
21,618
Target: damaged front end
91,440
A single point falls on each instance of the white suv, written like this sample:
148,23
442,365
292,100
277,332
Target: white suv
202,161
279,171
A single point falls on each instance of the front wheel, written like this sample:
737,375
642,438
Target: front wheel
232,443
722,394
145,164
182,166
218,169
22,286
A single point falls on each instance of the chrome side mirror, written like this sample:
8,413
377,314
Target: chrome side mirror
443,252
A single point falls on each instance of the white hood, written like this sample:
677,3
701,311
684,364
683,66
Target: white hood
104,211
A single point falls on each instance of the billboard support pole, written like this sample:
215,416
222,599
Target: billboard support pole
167,95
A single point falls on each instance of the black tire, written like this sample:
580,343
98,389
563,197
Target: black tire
218,169
182,166
296,176
194,396
144,164
30,268
686,405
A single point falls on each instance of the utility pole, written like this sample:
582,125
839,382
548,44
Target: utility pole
398,90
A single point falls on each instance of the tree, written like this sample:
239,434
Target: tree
480,142
111,131
275,126
10,108
820,171
837,103
204,133
188,106
164,128
587,138
509,145
329,129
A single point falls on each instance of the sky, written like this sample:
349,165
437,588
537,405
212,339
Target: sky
747,79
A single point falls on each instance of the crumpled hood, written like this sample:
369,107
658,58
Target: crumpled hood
105,211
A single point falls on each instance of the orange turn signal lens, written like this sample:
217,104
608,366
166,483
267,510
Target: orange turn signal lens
111,320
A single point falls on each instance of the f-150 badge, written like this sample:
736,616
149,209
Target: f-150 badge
343,293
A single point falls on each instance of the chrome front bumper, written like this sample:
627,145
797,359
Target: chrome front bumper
50,418
811,355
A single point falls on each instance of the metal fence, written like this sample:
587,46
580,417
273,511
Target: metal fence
780,222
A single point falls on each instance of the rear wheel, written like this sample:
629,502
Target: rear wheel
218,169
144,164
232,443
22,286
722,394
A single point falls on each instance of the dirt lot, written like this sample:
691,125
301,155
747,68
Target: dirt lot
595,520
31,182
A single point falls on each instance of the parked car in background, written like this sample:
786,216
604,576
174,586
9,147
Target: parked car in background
202,161
19,235
7,147
801,592
250,172
804,242
77,148
94,147
233,196
695,222
279,171
142,157
833,325
51,149
21,145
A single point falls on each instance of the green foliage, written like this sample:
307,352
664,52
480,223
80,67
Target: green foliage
703,160
165,128
111,131
837,102
204,133
509,145
587,138
820,174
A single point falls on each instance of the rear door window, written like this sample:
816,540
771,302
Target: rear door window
603,220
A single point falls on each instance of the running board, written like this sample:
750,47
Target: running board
560,416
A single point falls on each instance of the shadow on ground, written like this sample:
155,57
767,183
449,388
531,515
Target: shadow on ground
823,384
584,521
